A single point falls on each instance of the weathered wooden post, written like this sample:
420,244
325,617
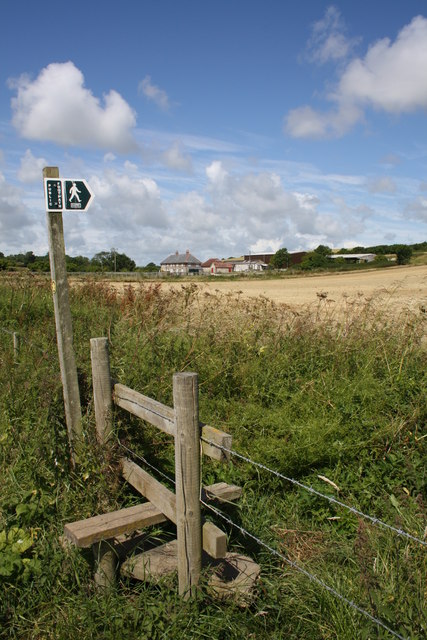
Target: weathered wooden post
102,390
187,478
105,557
64,330
16,347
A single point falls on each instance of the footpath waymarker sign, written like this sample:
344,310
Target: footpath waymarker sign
67,194
77,195
53,194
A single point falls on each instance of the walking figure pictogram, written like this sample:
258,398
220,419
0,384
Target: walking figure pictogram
74,192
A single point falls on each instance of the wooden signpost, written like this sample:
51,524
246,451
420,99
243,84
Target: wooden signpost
61,194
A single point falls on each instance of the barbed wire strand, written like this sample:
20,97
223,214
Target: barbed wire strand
306,573
372,519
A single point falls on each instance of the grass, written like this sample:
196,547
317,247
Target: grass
312,395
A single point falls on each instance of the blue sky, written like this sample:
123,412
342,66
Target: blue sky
221,127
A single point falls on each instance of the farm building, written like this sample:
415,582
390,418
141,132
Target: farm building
250,265
214,266
354,257
181,264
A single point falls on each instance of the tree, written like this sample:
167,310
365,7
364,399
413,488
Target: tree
113,261
403,254
323,250
314,260
280,260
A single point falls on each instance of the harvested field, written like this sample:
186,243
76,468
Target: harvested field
397,288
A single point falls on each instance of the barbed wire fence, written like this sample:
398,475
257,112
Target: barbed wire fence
18,338
314,579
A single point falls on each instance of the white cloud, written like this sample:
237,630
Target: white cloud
391,77
174,158
128,201
328,40
16,224
216,172
56,107
31,169
154,93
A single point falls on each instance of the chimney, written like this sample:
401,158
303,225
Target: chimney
187,253
177,252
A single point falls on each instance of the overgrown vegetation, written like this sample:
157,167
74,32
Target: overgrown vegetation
324,397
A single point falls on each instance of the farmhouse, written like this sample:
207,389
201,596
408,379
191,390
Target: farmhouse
181,264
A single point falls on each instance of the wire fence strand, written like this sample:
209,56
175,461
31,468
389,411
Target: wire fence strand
372,519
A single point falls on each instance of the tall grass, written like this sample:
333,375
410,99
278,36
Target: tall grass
325,392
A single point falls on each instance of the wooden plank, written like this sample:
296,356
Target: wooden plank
101,382
214,541
221,491
146,408
217,437
187,478
84,533
152,489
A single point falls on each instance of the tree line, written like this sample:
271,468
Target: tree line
102,261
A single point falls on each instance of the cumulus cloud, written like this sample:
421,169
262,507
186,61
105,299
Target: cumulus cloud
391,78
216,172
254,211
57,107
16,223
31,168
128,200
154,93
328,40
175,158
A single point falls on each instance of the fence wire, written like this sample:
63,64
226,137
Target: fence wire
372,519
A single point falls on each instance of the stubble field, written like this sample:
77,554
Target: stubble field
397,288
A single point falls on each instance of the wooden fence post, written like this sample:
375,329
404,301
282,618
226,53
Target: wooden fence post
102,390
16,347
187,478
63,321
